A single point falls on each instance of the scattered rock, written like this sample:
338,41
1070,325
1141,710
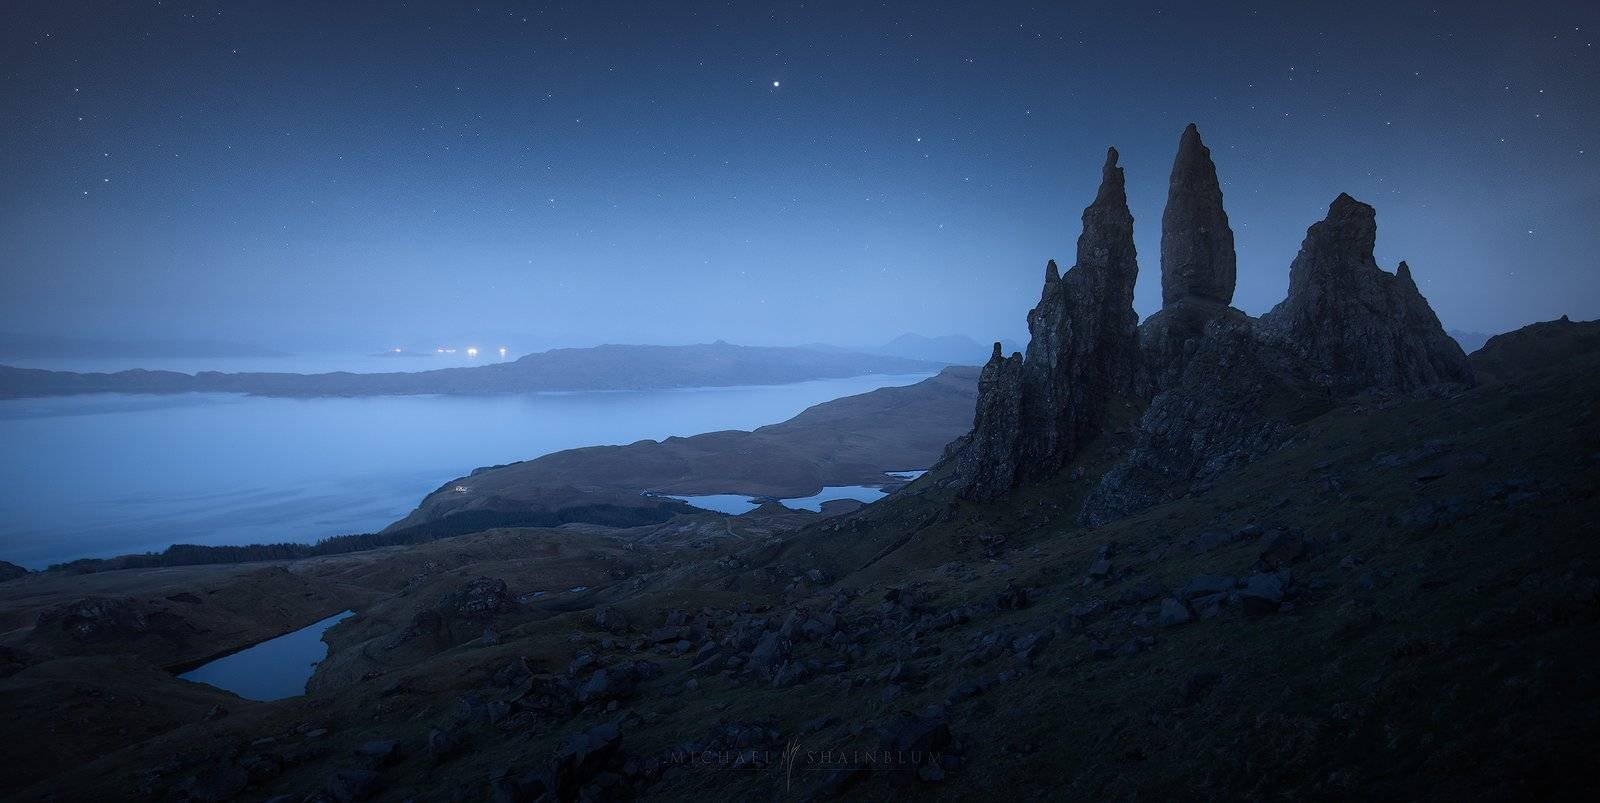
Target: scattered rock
1205,585
1173,613
583,756
1262,593
443,745
1282,547
610,619
350,785
382,751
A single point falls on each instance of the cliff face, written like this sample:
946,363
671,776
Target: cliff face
1220,388
1035,413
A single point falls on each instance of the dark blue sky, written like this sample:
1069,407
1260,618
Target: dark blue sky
359,173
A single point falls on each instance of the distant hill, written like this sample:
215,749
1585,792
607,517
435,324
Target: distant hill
1469,341
609,367
848,441
955,349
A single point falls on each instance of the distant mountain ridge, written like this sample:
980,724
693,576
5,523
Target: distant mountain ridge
607,367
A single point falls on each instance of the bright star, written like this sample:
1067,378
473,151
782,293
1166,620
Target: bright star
774,84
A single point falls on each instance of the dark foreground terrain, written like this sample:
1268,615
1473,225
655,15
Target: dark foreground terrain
1427,634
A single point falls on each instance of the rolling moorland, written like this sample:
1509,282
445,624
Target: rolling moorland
849,441
1319,553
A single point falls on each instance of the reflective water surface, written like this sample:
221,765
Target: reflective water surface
110,474
271,670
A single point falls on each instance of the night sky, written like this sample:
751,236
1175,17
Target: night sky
302,173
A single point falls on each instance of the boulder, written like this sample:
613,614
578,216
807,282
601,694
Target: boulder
1282,547
1262,593
769,652
606,684
443,745
583,756
610,619
349,785
382,751
1206,584
1173,613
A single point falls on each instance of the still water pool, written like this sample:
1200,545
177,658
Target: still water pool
273,669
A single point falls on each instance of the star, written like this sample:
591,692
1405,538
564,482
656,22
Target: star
775,84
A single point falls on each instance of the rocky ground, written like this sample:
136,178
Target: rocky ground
1396,604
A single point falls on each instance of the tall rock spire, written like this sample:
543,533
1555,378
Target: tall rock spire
1197,257
1035,414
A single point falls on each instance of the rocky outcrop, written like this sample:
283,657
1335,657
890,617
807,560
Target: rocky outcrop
988,460
11,571
461,613
1197,257
1082,355
1198,268
1357,326
1222,388
1232,400
96,619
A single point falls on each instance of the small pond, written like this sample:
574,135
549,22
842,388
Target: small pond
737,504
272,670
906,475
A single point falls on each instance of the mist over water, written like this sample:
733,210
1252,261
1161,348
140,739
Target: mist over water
110,474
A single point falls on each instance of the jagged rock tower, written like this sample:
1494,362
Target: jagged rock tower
1219,387
1357,326
1035,414
1197,258
1198,267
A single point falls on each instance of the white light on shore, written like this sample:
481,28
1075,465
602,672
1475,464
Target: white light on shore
502,352
472,352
